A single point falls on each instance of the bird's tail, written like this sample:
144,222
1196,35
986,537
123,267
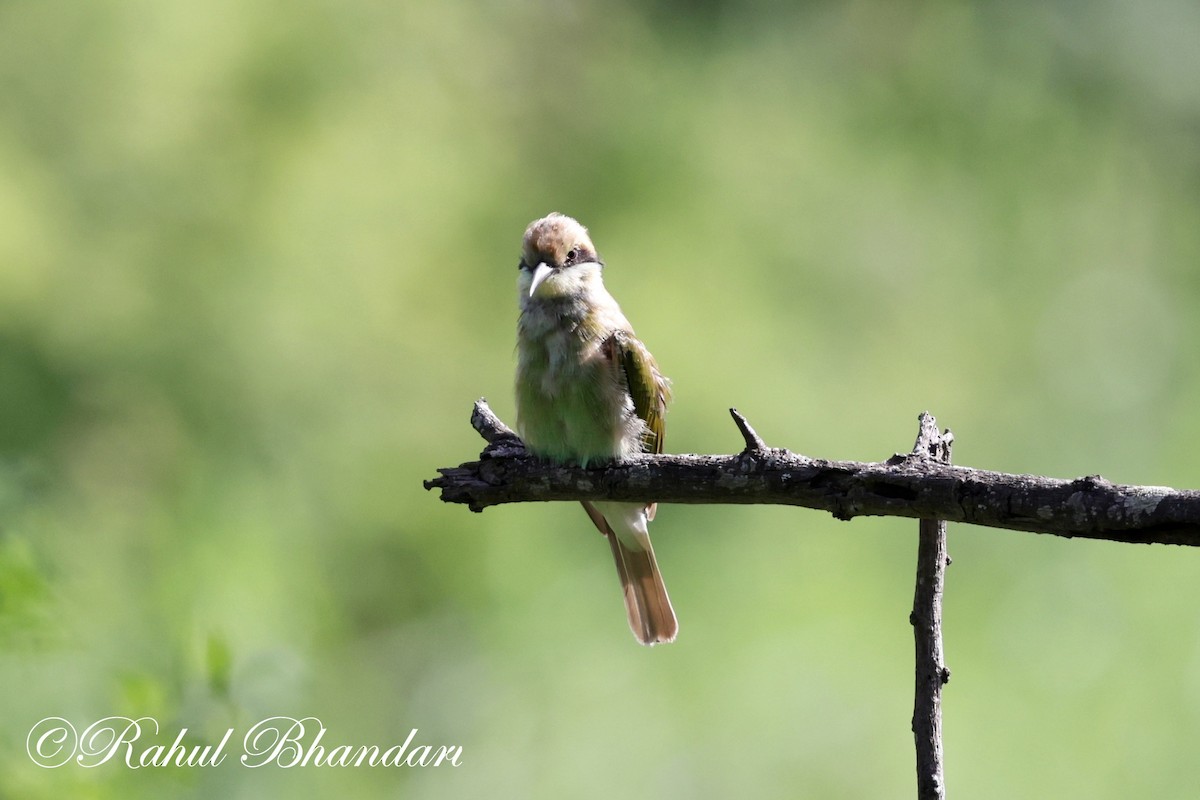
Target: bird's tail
651,617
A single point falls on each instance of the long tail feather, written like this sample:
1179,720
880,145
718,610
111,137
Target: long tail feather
651,617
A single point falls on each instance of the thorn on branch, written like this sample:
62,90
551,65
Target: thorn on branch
754,442
931,444
484,420
502,440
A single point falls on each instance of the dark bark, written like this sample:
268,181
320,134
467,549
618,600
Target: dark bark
926,619
906,485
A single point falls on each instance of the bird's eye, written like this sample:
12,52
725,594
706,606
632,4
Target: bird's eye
572,254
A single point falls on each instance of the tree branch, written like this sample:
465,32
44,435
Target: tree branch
926,619
905,486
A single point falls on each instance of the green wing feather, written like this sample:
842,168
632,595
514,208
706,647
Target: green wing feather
647,386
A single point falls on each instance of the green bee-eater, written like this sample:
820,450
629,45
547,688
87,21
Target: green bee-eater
588,391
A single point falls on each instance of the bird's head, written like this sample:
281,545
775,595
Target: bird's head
558,258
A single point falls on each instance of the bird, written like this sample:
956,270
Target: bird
588,392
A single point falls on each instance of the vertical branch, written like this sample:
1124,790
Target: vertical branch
926,619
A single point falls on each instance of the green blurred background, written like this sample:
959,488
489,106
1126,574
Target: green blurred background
258,258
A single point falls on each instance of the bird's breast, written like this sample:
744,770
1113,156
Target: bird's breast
571,403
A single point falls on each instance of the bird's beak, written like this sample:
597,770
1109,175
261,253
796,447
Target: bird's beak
540,273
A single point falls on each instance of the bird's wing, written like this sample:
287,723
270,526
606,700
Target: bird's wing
649,390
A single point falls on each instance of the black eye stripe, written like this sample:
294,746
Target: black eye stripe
575,255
